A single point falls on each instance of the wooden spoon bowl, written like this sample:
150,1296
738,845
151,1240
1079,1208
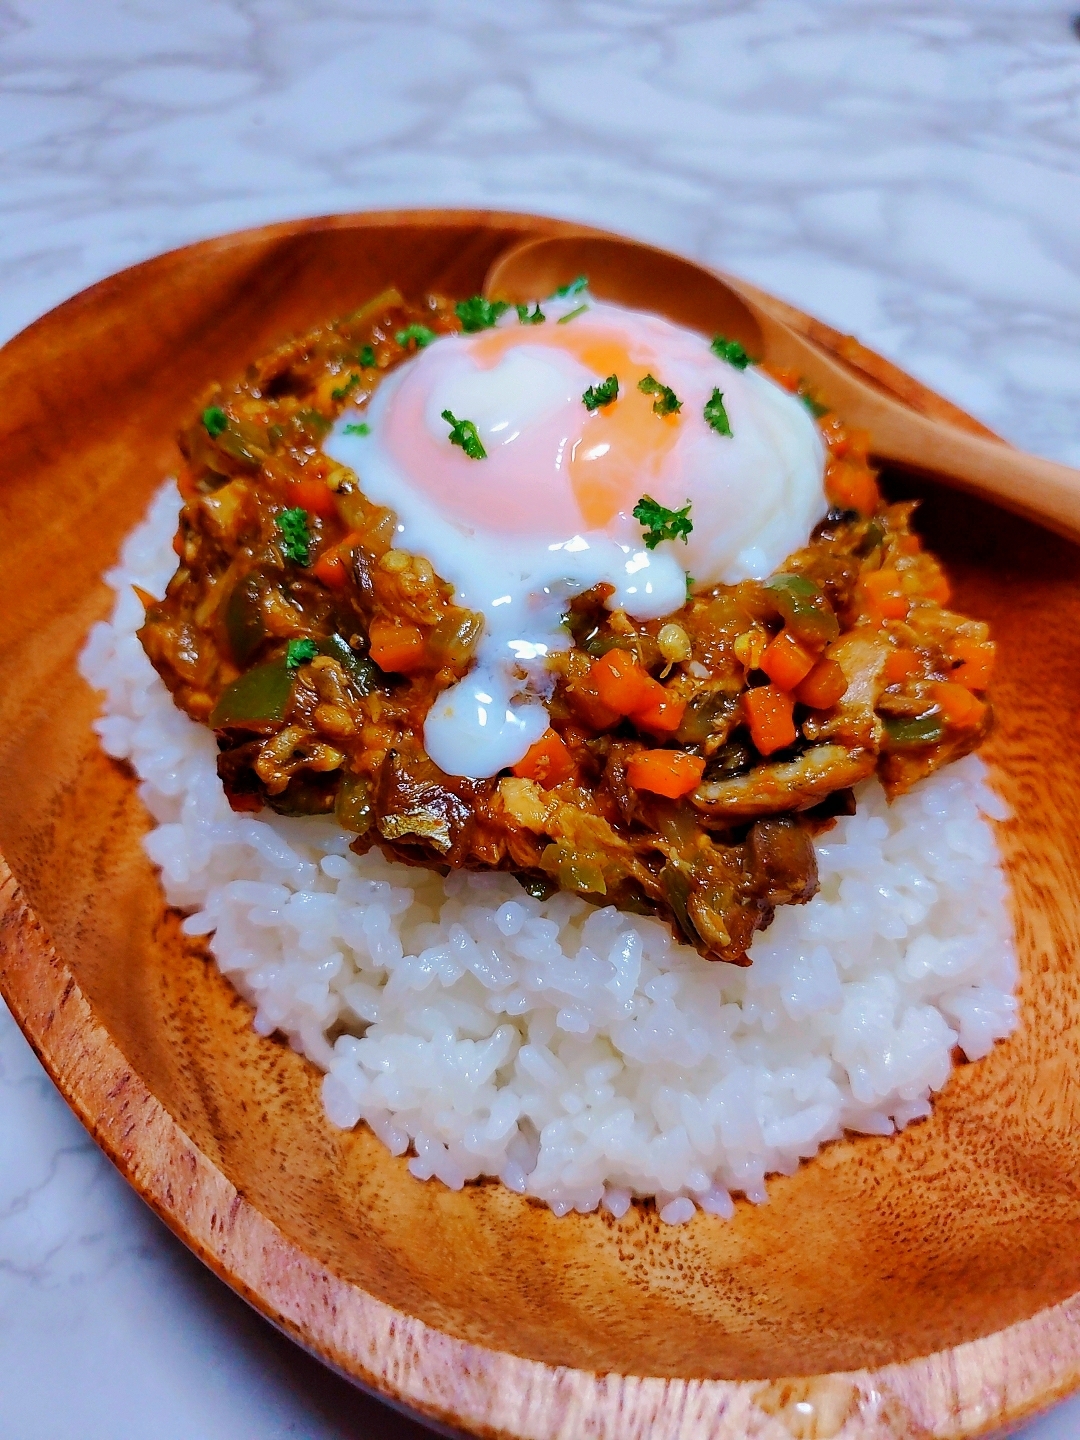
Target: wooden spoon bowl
916,1286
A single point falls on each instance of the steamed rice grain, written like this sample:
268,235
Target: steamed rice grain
578,1054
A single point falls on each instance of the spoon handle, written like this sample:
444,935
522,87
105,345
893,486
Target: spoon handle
1041,490
868,364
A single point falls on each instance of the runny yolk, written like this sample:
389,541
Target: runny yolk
621,447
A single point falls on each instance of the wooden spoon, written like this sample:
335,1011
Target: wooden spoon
640,276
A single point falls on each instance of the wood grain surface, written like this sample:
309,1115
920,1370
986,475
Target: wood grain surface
927,1285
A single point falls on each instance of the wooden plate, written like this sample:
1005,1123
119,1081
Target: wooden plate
919,1286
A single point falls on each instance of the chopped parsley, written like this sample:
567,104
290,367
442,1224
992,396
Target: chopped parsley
295,535
565,319
367,358
572,287
536,318
816,408
716,415
689,585
666,402
420,333
343,390
299,653
477,313
464,433
602,394
731,351
660,523
362,429
214,421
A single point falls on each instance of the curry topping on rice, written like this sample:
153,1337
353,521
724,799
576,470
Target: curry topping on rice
689,759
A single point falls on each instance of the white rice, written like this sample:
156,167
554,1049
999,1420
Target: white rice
578,1054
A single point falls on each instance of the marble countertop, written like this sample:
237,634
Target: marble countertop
909,173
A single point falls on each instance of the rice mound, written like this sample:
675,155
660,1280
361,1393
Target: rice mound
579,1054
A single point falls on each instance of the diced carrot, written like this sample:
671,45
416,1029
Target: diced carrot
663,714
588,705
908,544
957,705
883,590
789,379
786,662
313,496
398,649
939,589
899,664
548,762
976,662
769,715
665,772
851,487
623,687
824,687
621,683
330,569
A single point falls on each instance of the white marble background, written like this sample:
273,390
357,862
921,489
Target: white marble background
910,172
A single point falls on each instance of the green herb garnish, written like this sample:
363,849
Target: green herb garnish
716,415
362,429
816,408
420,333
565,319
294,534
602,394
536,318
476,313
660,523
343,390
665,402
214,421
731,351
367,358
689,585
572,287
299,653
464,433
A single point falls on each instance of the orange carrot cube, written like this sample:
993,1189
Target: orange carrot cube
769,714
665,772
977,662
548,762
824,687
786,662
398,649
621,683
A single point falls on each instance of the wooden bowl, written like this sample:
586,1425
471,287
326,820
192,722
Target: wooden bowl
919,1286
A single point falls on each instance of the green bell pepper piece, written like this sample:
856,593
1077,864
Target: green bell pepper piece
919,730
244,622
806,611
256,699
358,668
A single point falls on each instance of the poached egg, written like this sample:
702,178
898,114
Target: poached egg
548,512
